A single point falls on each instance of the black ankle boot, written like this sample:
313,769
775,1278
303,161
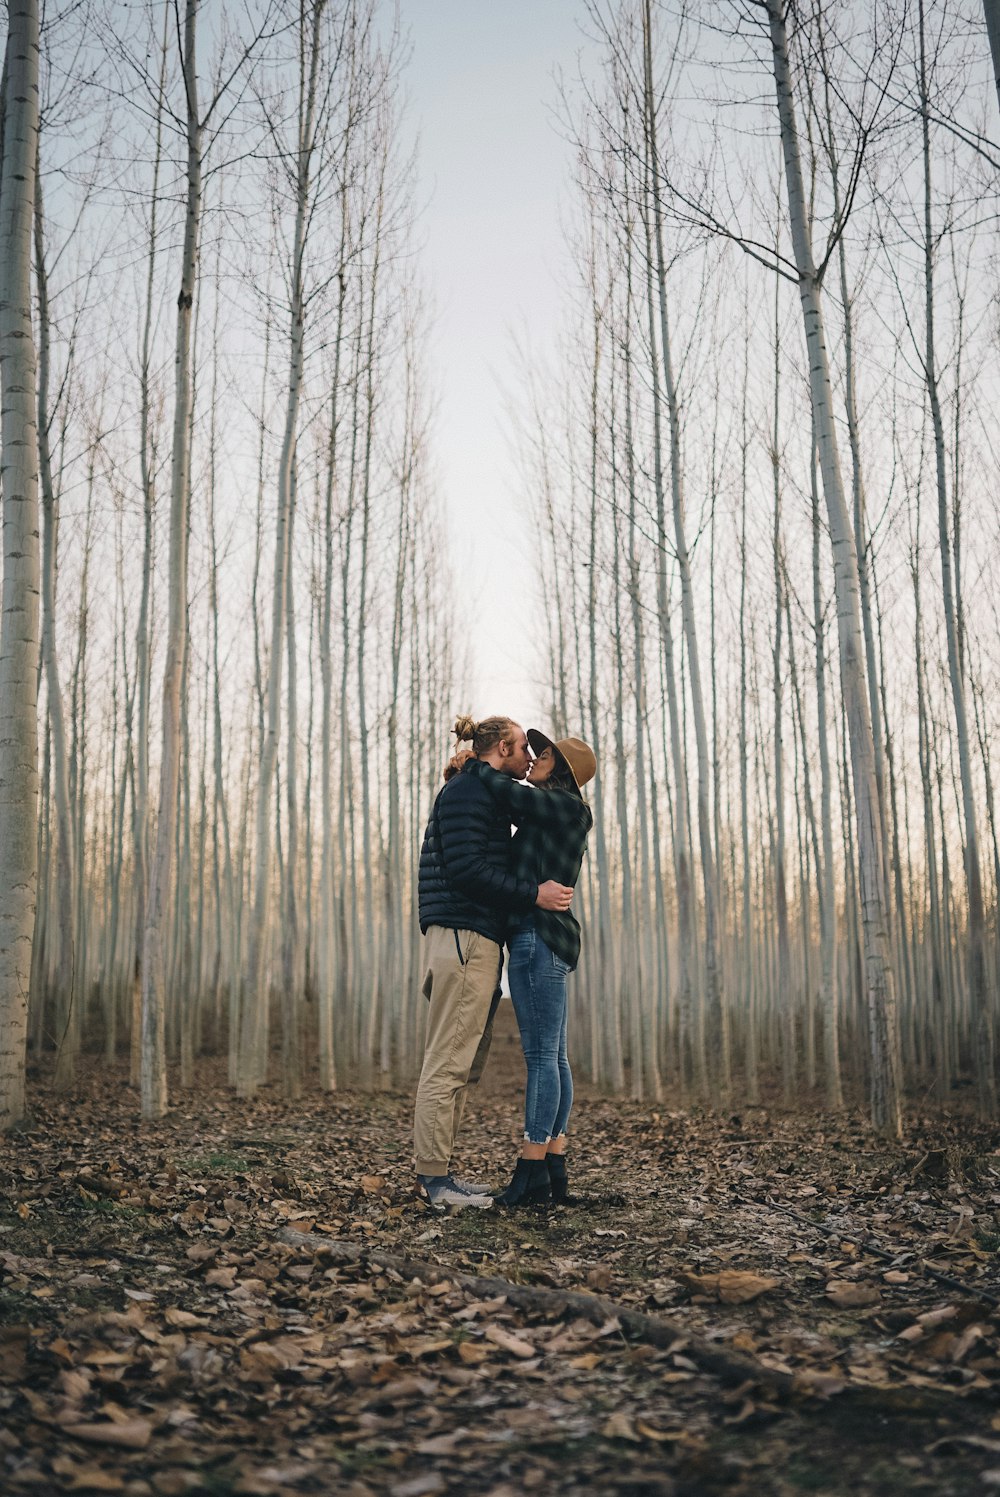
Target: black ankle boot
529,1186
558,1180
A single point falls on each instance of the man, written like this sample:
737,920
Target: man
467,892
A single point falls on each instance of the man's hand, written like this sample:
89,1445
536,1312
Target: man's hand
553,896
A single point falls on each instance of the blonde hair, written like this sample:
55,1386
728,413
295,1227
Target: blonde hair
483,736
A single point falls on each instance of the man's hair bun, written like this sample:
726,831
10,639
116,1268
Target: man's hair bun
465,728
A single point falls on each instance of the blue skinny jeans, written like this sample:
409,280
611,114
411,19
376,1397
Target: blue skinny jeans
538,990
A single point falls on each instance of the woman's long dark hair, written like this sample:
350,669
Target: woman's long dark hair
561,778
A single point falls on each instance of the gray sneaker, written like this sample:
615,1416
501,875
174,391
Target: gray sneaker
442,1192
469,1188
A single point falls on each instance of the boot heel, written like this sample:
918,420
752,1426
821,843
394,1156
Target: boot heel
529,1185
558,1181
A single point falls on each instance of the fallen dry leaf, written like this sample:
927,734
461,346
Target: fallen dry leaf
732,1286
13,1350
427,1485
131,1434
738,1287
599,1279
93,1479
183,1319
849,1296
620,1427
221,1278
507,1342
586,1361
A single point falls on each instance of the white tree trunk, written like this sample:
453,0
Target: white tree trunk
19,642
253,1020
882,1017
691,1052
147,465
65,978
786,993
977,977
829,984
328,938
692,1033
647,1059
751,1041
153,1060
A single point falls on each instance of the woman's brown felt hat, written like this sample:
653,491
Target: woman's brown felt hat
578,756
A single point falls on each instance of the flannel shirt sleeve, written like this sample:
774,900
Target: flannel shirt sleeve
528,807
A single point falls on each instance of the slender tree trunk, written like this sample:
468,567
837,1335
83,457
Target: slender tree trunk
718,1013
785,994
328,922
153,1076
79,763
254,1027
65,888
644,971
829,984
19,642
977,974
885,1082
394,942
611,1045
750,1021
691,1054
290,964
804,804
367,993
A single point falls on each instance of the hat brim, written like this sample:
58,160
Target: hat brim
539,743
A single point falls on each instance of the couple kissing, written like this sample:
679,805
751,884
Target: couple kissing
480,887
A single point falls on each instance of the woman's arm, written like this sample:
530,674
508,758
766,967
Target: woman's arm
524,805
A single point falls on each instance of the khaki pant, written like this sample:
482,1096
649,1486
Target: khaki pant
462,983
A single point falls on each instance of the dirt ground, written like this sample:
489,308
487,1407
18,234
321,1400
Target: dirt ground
796,1307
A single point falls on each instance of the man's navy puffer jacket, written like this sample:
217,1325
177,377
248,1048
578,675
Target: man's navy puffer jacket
465,882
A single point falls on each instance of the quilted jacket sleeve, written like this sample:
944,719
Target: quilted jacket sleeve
466,820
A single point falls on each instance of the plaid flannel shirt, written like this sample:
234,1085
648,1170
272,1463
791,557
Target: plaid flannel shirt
552,828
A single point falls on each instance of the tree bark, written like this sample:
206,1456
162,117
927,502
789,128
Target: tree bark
65,887
153,1064
691,1052
718,1013
977,975
882,1017
254,1027
19,641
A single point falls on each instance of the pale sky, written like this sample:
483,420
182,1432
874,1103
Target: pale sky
494,172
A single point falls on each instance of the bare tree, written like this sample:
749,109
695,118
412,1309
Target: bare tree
883,1035
299,160
153,1066
19,642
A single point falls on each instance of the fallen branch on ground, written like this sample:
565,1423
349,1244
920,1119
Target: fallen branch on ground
635,1325
869,1244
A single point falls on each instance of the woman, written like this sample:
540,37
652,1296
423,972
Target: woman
553,821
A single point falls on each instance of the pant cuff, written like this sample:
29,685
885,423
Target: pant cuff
432,1167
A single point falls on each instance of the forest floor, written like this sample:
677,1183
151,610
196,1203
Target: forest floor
170,1321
